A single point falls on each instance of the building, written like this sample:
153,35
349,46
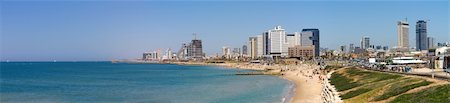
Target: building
351,48
310,37
197,49
365,42
277,43
358,50
301,51
169,54
343,48
236,52
403,34
183,52
430,42
226,52
293,39
378,47
443,58
421,35
385,48
192,50
244,50
260,46
443,44
252,47
150,56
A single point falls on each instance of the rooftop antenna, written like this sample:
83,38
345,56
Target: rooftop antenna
406,19
195,36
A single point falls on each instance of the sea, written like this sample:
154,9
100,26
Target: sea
106,82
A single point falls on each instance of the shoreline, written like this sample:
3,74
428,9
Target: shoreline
307,85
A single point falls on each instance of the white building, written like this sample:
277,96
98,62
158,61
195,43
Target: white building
277,43
403,34
252,47
407,60
293,39
226,51
259,46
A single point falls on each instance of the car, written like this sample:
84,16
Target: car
447,70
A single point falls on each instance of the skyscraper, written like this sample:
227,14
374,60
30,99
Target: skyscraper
192,50
197,49
253,45
244,50
421,35
351,48
403,34
277,42
310,37
365,42
260,45
430,42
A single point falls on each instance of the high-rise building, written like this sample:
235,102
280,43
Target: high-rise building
351,48
192,50
365,42
277,42
260,45
430,42
421,35
403,34
226,52
253,45
169,53
183,52
197,49
293,39
244,50
265,44
236,52
310,37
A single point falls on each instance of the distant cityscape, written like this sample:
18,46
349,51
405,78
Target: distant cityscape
277,45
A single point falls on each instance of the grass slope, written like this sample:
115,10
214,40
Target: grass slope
357,85
436,94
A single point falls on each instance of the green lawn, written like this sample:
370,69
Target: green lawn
399,88
355,93
436,94
342,82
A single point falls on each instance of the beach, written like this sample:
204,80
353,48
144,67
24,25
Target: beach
307,79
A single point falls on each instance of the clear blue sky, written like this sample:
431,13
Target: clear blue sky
105,30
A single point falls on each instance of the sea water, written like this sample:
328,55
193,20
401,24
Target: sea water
59,82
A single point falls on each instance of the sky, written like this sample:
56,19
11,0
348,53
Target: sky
105,30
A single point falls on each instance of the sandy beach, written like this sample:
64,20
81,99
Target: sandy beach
307,80
308,87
